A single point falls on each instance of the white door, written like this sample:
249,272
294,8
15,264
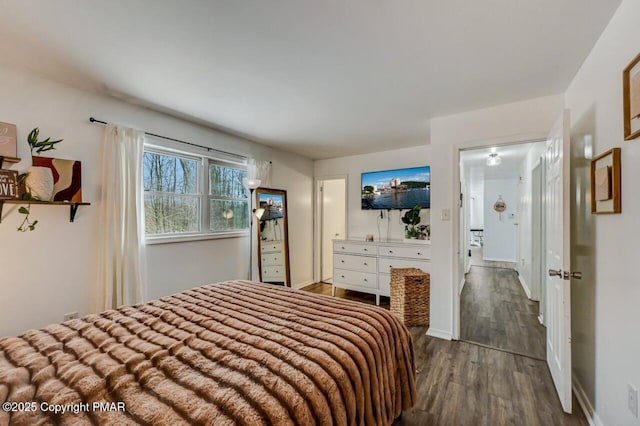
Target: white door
333,218
558,278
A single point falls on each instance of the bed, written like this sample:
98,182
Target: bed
236,352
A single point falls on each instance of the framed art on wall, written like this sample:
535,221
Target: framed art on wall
8,143
606,195
9,185
631,99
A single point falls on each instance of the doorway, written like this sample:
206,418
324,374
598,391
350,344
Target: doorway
500,237
332,218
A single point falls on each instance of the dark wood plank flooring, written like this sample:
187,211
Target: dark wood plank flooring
495,311
460,383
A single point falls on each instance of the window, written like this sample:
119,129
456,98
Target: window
228,201
189,196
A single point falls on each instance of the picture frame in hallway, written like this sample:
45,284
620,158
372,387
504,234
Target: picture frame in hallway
606,195
631,99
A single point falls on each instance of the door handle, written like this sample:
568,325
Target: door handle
576,275
555,273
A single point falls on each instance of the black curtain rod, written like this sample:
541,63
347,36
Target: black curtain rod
95,120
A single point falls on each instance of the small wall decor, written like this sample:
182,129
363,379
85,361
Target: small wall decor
67,178
631,99
9,189
499,206
8,142
606,195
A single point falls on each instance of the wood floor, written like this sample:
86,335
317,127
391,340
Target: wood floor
495,311
460,383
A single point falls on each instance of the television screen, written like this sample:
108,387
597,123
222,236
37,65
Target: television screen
396,189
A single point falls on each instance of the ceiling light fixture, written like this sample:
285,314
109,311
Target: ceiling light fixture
493,159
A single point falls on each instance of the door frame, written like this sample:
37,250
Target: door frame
317,219
538,202
458,252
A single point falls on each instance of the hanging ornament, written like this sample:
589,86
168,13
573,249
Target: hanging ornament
500,206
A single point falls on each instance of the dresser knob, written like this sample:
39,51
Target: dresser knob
342,247
390,251
419,254
365,263
342,276
365,280
366,250
342,261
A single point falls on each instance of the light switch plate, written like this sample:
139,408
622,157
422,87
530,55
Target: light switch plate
446,214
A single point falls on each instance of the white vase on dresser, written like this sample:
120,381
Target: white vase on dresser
365,266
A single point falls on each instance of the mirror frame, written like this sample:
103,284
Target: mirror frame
285,239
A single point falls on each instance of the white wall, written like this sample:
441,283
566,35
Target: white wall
607,361
334,207
525,220
500,229
520,121
52,270
362,222
476,209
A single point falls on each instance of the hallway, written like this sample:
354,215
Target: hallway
495,311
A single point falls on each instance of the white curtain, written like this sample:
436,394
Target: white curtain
257,169
123,266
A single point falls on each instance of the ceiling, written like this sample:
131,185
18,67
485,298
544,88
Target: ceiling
320,78
475,162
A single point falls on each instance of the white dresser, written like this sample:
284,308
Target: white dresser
272,261
365,266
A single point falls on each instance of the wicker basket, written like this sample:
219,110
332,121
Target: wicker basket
410,295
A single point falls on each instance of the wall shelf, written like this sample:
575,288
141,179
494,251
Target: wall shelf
73,207
8,160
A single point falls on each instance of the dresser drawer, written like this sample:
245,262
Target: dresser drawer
270,246
411,251
355,263
273,273
364,279
344,247
385,264
269,259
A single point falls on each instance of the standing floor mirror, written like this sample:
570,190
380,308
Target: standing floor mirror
273,237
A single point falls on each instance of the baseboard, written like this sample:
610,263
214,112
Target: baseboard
463,281
540,320
302,284
524,285
440,334
584,403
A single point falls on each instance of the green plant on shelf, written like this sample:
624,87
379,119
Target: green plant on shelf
36,146
26,225
40,146
412,227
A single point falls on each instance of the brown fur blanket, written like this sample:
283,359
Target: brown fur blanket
235,352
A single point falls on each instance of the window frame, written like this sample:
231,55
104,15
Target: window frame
203,160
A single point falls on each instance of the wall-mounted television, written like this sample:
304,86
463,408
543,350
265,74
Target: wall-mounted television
396,189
